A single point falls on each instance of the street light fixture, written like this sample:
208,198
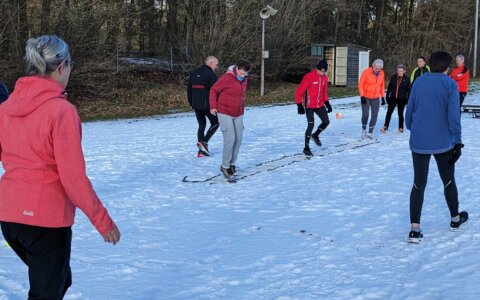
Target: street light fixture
265,13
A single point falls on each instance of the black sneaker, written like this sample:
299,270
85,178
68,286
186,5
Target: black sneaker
307,152
456,226
203,147
316,140
415,237
225,172
232,169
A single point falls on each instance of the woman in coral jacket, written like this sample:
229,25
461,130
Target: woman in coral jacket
461,75
371,88
312,94
44,179
227,102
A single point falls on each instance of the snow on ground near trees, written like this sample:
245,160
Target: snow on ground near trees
333,227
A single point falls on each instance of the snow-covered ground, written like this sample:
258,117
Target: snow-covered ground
333,227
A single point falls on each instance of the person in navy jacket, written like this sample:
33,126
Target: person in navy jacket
3,92
433,118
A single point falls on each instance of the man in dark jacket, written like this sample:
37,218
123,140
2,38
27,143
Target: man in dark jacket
3,92
420,70
198,93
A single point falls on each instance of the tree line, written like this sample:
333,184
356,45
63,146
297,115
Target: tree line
188,30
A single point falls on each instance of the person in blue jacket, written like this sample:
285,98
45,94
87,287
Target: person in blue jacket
3,92
433,118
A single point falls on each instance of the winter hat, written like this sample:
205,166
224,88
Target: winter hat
322,65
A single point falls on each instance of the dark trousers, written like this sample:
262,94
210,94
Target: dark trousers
202,116
421,163
323,115
392,103
46,252
462,98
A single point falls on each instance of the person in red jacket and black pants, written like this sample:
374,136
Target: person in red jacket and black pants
461,75
227,102
312,94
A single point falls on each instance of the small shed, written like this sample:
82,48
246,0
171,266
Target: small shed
345,61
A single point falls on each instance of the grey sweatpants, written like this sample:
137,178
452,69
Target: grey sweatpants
232,131
374,105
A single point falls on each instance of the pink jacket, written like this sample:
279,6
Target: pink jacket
41,152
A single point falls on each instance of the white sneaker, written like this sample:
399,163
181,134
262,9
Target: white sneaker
364,134
370,136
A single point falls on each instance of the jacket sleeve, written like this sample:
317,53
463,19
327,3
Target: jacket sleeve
390,86
66,136
215,91
3,92
453,111
460,76
361,83
410,110
412,76
189,90
301,89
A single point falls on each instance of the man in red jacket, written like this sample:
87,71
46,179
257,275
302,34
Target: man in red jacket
312,94
461,75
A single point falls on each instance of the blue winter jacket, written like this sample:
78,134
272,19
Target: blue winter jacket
433,114
3,92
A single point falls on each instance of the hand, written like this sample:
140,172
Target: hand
383,101
456,153
363,100
113,236
213,111
328,106
300,108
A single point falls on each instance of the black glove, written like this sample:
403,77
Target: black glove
363,100
328,106
301,109
383,101
465,69
456,153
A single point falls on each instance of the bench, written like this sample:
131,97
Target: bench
473,109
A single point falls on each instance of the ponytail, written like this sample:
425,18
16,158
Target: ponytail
44,54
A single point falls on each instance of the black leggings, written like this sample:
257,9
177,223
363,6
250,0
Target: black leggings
323,115
202,116
462,98
391,107
46,252
421,163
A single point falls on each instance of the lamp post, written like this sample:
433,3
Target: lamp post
265,13
475,42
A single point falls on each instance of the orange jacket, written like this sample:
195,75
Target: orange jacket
41,152
371,86
461,75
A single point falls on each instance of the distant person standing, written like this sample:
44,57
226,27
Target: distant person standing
398,91
421,69
311,97
433,118
198,92
461,75
227,102
3,92
371,88
45,178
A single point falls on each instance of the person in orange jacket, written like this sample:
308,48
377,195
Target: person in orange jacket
371,88
311,97
461,75
45,178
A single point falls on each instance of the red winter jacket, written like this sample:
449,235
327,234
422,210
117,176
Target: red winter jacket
41,152
228,94
461,75
315,87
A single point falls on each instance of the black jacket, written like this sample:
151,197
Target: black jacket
3,92
403,88
198,91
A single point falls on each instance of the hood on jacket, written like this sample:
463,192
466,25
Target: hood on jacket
232,70
30,93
